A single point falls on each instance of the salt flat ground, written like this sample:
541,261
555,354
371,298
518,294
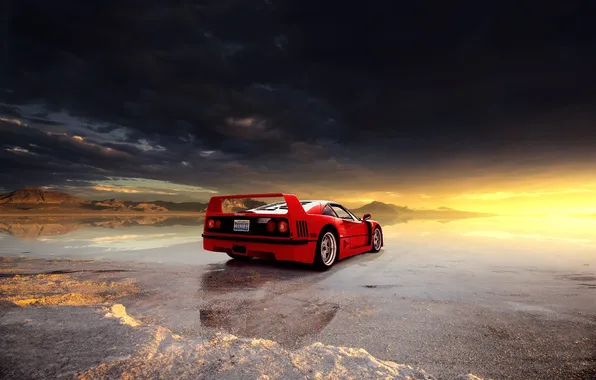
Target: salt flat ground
502,298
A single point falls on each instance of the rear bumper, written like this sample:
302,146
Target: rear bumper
286,250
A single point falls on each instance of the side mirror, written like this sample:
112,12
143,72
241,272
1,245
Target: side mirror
366,217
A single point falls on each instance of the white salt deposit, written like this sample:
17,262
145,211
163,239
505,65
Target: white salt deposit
226,356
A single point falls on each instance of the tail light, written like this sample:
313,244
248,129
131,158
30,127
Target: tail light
270,226
282,227
211,223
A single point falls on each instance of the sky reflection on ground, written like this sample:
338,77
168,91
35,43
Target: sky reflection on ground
497,240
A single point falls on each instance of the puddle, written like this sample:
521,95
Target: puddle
236,275
579,277
288,321
386,286
589,286
66,271
517,306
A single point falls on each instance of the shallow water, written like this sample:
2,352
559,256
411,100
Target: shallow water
476,243
143,239
546,260
547,243
438,258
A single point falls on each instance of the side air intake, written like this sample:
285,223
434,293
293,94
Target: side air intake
302,228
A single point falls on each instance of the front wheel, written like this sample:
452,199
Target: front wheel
327,249
377,239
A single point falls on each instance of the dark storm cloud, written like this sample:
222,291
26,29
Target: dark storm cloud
195,91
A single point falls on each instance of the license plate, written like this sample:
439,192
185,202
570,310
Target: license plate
241,225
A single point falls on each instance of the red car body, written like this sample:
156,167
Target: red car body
288,231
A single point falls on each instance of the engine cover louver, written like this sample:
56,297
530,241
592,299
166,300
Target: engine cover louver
302,228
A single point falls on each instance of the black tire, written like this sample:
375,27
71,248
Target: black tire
377,240
327,250
239,257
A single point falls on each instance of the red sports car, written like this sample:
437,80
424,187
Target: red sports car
313,232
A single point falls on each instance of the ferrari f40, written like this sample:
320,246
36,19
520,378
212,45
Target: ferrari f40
316,232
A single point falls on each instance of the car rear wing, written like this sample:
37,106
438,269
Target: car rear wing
295,209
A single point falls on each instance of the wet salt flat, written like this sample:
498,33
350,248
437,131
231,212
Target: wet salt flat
500,297
482,242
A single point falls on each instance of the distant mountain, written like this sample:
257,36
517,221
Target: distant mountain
377,207
113,204
32,199
388,213
34,196
149,207
182,206
118,205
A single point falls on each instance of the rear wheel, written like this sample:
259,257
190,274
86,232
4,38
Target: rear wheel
377,240
327,250
239,257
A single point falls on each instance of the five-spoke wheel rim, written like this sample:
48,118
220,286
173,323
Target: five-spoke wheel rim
328,248
377,239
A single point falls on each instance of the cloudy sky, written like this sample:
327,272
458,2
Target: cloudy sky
473,105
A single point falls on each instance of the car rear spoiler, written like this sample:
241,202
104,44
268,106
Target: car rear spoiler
295,209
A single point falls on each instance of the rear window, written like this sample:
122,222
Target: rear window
245,204
263,205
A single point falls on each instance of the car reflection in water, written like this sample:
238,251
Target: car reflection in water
267,299
240,275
